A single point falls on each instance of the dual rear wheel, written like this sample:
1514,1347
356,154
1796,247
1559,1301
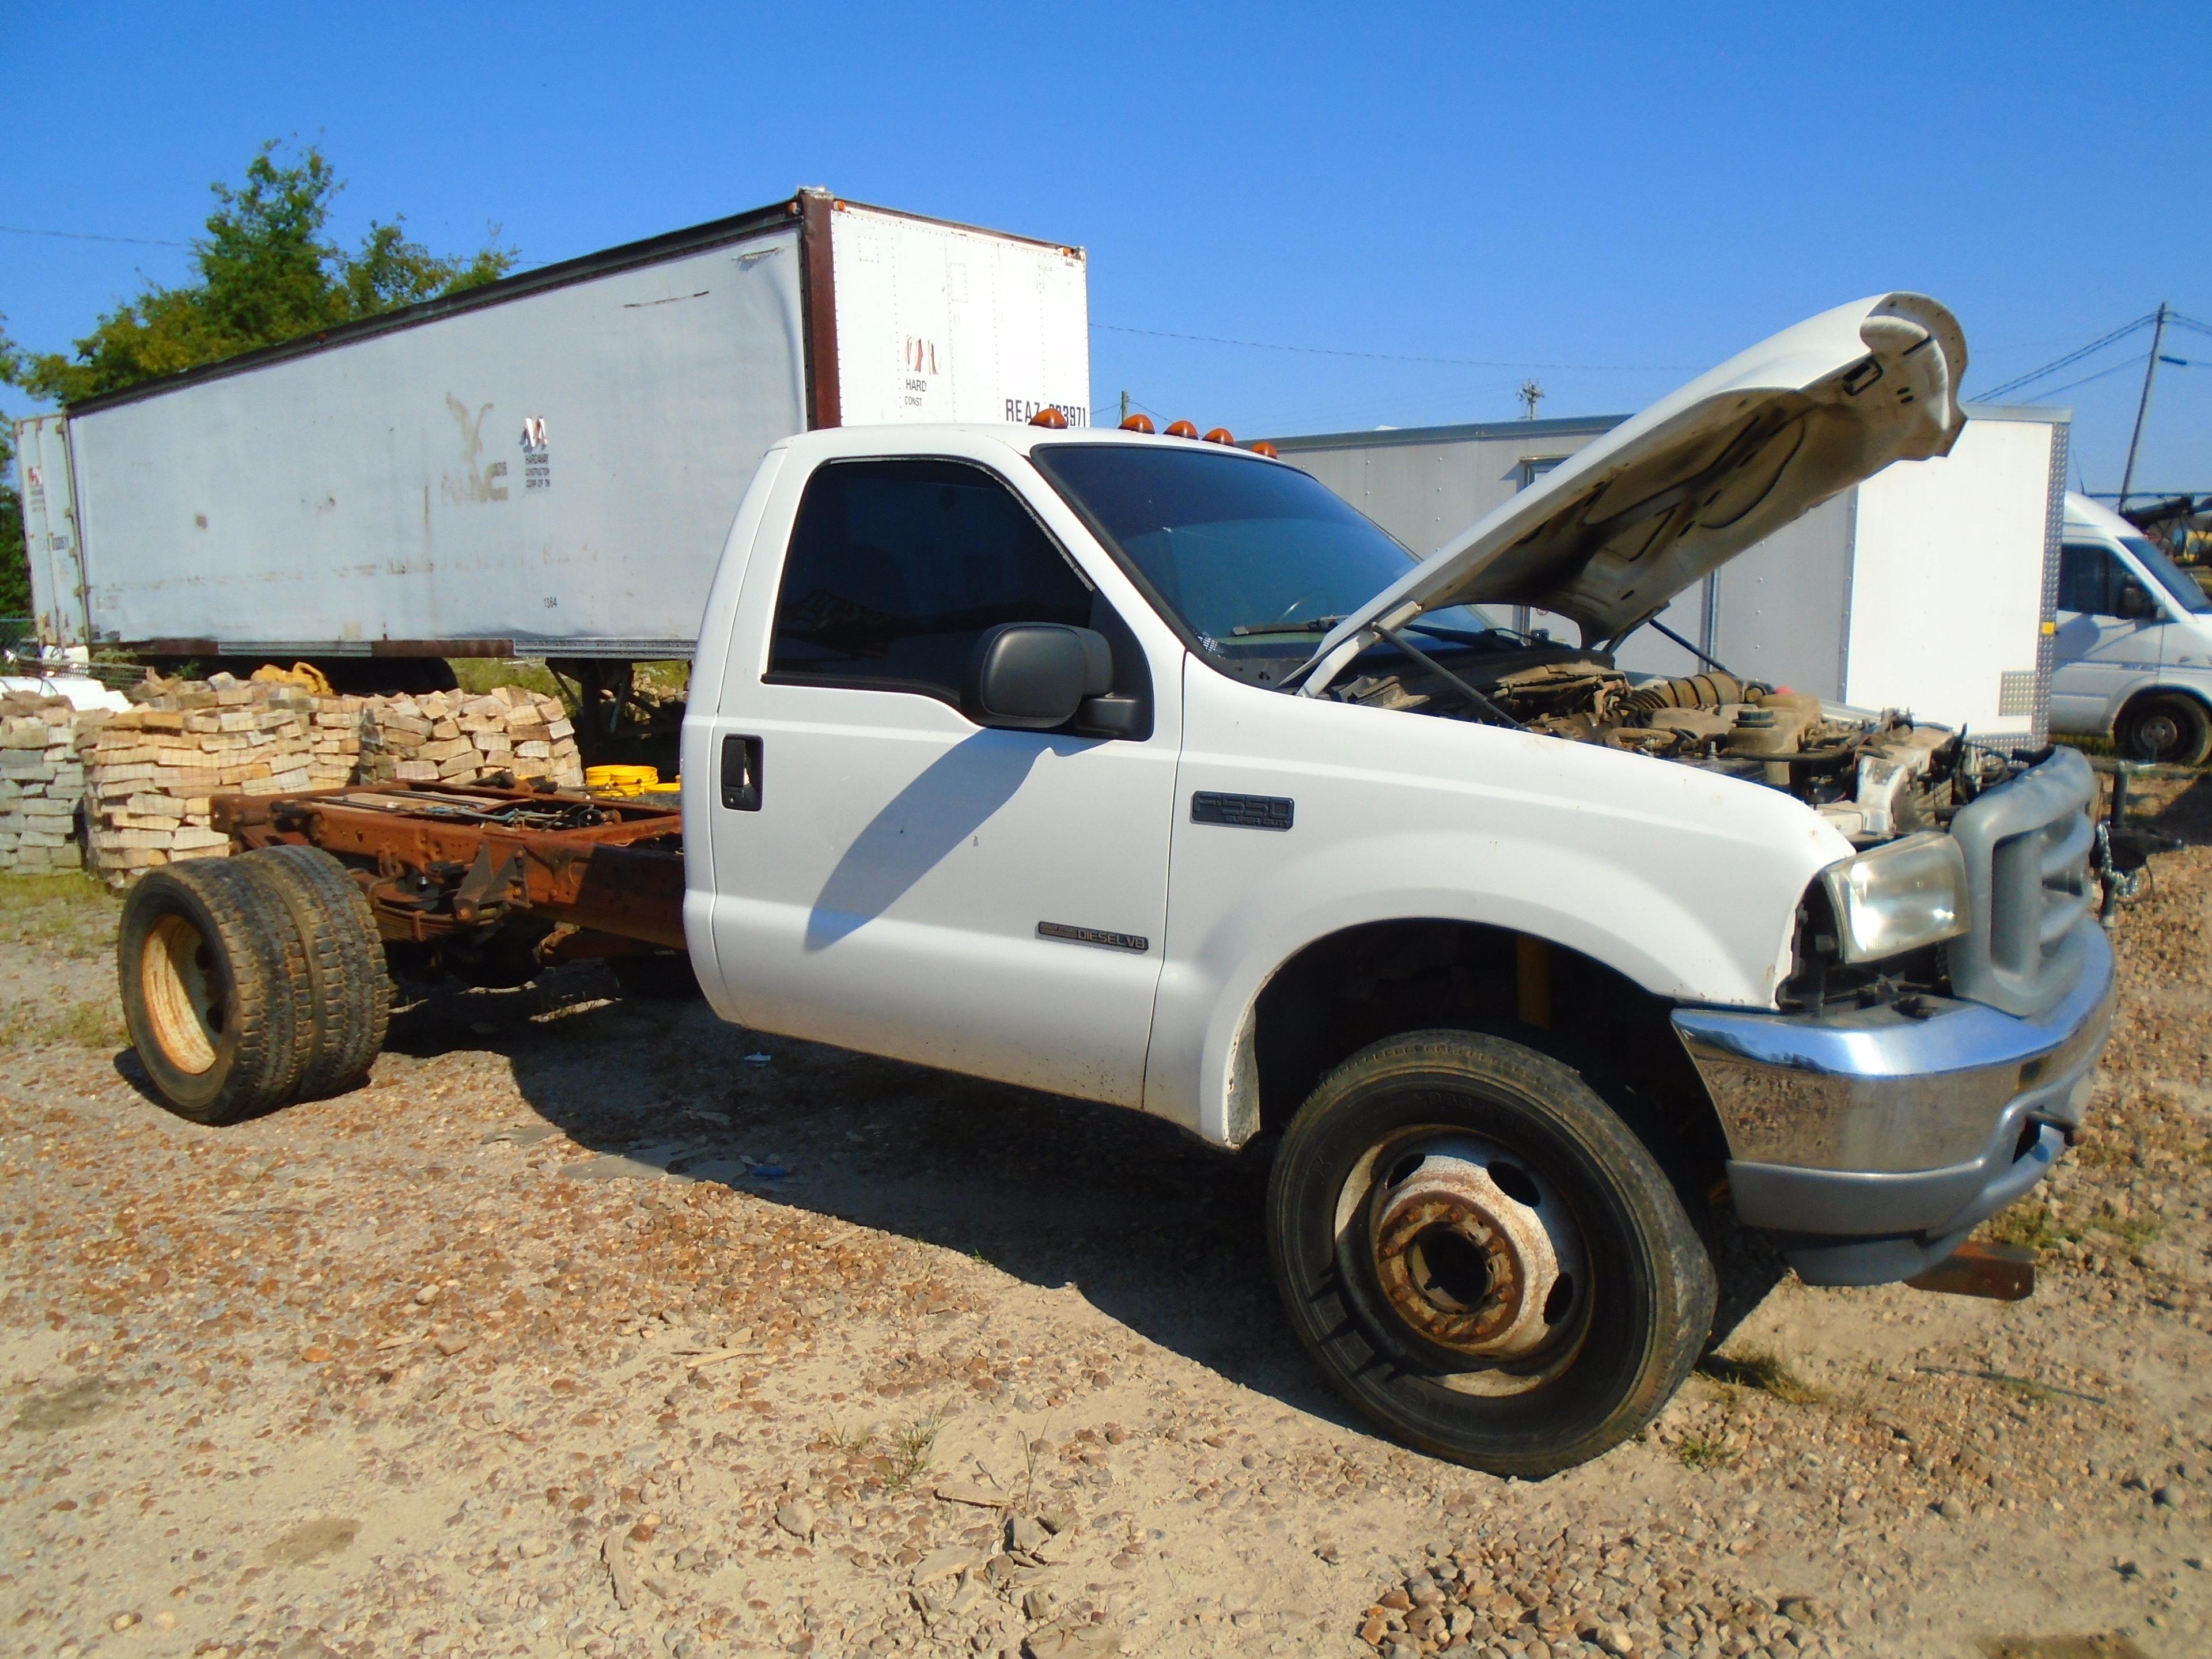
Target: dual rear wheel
253,981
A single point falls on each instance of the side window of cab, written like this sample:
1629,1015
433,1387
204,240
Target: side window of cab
896,566
2092,581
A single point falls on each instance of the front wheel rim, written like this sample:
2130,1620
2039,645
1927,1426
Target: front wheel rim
2158,736
183,990
1463,1252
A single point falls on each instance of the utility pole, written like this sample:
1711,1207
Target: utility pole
1125,408
2150,373
1531,394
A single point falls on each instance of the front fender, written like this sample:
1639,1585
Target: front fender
1199,1072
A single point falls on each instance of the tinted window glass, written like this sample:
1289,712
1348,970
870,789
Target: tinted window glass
2171,577
896,566
2085,578
1232,545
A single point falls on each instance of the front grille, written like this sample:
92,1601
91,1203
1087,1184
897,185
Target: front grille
2027,845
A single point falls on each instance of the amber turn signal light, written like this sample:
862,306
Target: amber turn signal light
1136,423
1051,417
1182,429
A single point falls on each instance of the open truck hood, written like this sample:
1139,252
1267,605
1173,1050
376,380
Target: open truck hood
1614,532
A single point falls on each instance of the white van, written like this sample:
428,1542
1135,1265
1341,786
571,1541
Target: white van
2135,642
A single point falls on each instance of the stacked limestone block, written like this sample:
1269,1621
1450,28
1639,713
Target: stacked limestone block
454,737
41,783
334,754
150,771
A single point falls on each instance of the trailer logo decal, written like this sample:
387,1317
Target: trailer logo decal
536,458
480,483
1136,942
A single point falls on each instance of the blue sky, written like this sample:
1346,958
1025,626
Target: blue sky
1622,195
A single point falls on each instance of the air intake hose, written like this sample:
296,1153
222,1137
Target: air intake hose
1694,691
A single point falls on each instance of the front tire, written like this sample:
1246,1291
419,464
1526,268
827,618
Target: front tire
2168,728
1482,1255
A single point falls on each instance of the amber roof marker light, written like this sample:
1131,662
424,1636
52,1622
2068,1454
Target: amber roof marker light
1221,434
1136,423
1051,417
1261,446
1182,429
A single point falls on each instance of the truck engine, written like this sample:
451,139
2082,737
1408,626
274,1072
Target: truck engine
1874,780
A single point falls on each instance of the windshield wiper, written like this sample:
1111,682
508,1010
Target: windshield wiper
1488,636
1311,625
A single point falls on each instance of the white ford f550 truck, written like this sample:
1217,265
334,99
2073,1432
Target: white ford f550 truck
1144,769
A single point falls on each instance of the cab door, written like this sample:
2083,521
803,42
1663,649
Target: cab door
890,876
2110,627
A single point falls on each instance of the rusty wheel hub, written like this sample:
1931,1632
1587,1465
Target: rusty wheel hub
1474,1251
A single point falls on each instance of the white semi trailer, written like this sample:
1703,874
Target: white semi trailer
1930,585
544,466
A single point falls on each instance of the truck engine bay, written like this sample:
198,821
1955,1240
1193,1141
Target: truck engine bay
1874,779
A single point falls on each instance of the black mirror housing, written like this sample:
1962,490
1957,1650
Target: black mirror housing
1034,676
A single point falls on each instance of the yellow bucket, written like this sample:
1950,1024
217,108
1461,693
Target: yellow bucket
621,782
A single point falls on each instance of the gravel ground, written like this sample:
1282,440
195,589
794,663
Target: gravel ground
595,1326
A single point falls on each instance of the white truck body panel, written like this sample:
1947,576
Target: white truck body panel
383,490
546,467
1685,882
938,322
50,539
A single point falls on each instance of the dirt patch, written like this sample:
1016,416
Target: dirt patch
311,1541
56,1409
840,1356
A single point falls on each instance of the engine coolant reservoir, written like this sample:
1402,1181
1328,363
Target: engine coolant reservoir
1774,726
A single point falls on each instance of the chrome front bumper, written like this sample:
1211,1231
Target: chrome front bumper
1871,1142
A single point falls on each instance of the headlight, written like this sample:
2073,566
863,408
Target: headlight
1899,898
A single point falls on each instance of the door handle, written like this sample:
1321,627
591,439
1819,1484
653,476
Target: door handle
741,773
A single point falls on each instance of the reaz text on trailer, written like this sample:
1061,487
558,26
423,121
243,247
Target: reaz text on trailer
544,466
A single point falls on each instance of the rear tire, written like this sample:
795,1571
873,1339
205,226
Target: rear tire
2167,727
350,990
1482,1256
213,981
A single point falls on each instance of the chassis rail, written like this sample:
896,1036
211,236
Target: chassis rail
437,861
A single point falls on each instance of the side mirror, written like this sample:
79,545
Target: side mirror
1033,676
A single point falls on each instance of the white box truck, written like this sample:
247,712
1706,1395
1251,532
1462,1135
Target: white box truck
544,466
1928,586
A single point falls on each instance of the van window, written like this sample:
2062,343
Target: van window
896,567
2169,575
2092,581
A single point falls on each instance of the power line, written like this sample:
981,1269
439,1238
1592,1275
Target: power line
1397,357
2072,357
2058,391
87,236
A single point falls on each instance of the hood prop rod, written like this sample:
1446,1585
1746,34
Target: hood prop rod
1482,705
1654,623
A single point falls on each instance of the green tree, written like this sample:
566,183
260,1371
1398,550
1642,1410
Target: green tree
15,561
266,273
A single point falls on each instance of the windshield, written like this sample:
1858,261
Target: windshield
2169,575
1241,551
